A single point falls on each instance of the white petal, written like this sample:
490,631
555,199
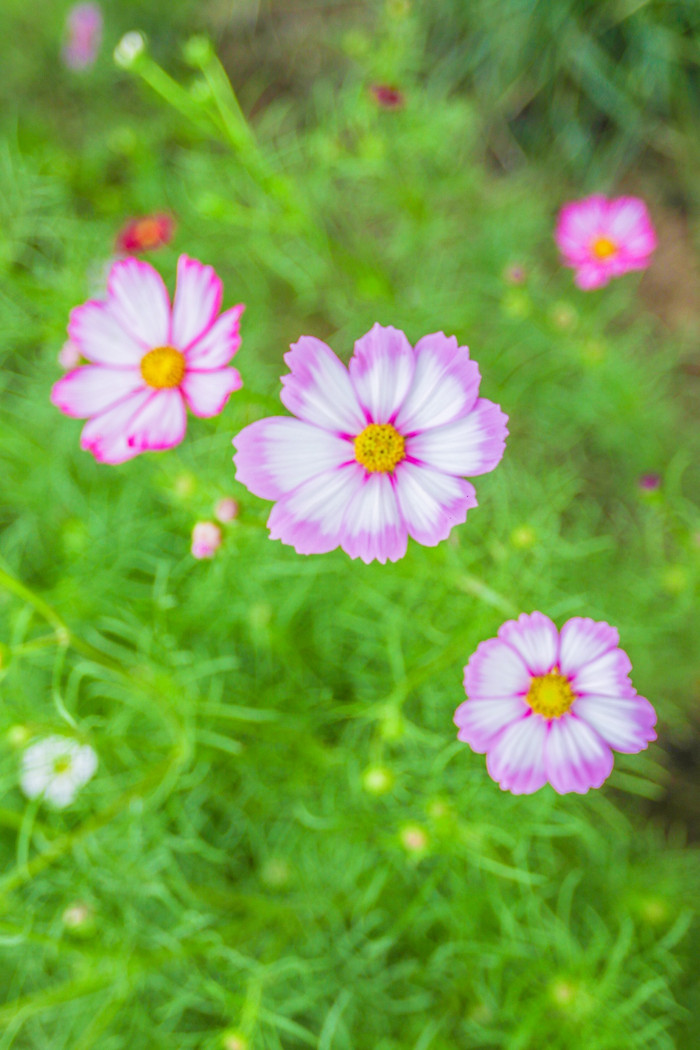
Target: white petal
198,296
431,503
472,445
139,301
318,388
381,370
535,638
373,527
278,454
445,384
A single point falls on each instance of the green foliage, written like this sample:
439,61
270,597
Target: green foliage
284,845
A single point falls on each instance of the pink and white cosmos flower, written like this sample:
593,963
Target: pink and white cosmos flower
378,450
551,706
603,238
149,360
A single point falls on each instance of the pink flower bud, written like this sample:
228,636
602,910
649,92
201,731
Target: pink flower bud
206,539
83,36
226,510
69,355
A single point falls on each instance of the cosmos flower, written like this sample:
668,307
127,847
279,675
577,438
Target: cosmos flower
548,706
206,539
149,360
145,234
57,767
83,36
378,450
387,97
603,238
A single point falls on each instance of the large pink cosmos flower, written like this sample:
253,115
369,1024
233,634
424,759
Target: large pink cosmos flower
379,449
603,238
149,360
549,706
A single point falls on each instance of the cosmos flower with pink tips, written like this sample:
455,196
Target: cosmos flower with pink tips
148,360
551,706
601,238
378,450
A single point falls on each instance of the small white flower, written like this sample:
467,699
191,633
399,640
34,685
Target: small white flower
56,768
129,48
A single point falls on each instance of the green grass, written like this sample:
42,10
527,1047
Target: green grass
242,873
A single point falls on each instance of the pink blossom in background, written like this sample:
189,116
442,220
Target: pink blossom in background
551,706
650,482
601,238
149,360
387,97
69,355
83,36
206,539
378,451
145,234
226,510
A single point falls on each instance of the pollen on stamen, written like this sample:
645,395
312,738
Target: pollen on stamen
163,367
379,448
550,695
603,247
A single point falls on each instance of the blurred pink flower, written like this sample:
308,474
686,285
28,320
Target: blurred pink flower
387,97
206,539
83,36
149,360
145,234
514,273
69,355
378,451
551,706
601,238
650,482
226,510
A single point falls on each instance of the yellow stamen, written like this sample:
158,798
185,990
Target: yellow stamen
163,367
62,765
379,447
550,695
603,247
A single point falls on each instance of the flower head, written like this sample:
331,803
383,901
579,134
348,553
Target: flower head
149,360
83,36
226,509
387,97
56,768
206,539
145,234
378,451
603,238
548,705
650,482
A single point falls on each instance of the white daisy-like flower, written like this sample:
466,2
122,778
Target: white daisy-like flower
56,768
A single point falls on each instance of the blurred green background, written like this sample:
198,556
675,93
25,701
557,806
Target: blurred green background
284,845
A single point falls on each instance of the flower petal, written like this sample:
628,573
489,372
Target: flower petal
106,434
160,424
381,370
516,760
139,301
630,227
608,675
582,640
535,639
91,389
576,759
206,393
60,791
100,338
312,517
495,670
470,446
624,723
218,345
318,388
373,529
480,721
445,384
578,223
198,296
276,455
592,275
431,503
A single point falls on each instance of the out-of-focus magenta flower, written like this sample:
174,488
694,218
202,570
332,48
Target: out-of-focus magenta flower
650,482
378,450
69,355
387,97
149,360
145,234
551,706
515,274
206,539
601,238
83,36
226,510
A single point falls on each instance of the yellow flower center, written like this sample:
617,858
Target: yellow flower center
603,247
148,232
62,765
550,695
163,367
379,447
